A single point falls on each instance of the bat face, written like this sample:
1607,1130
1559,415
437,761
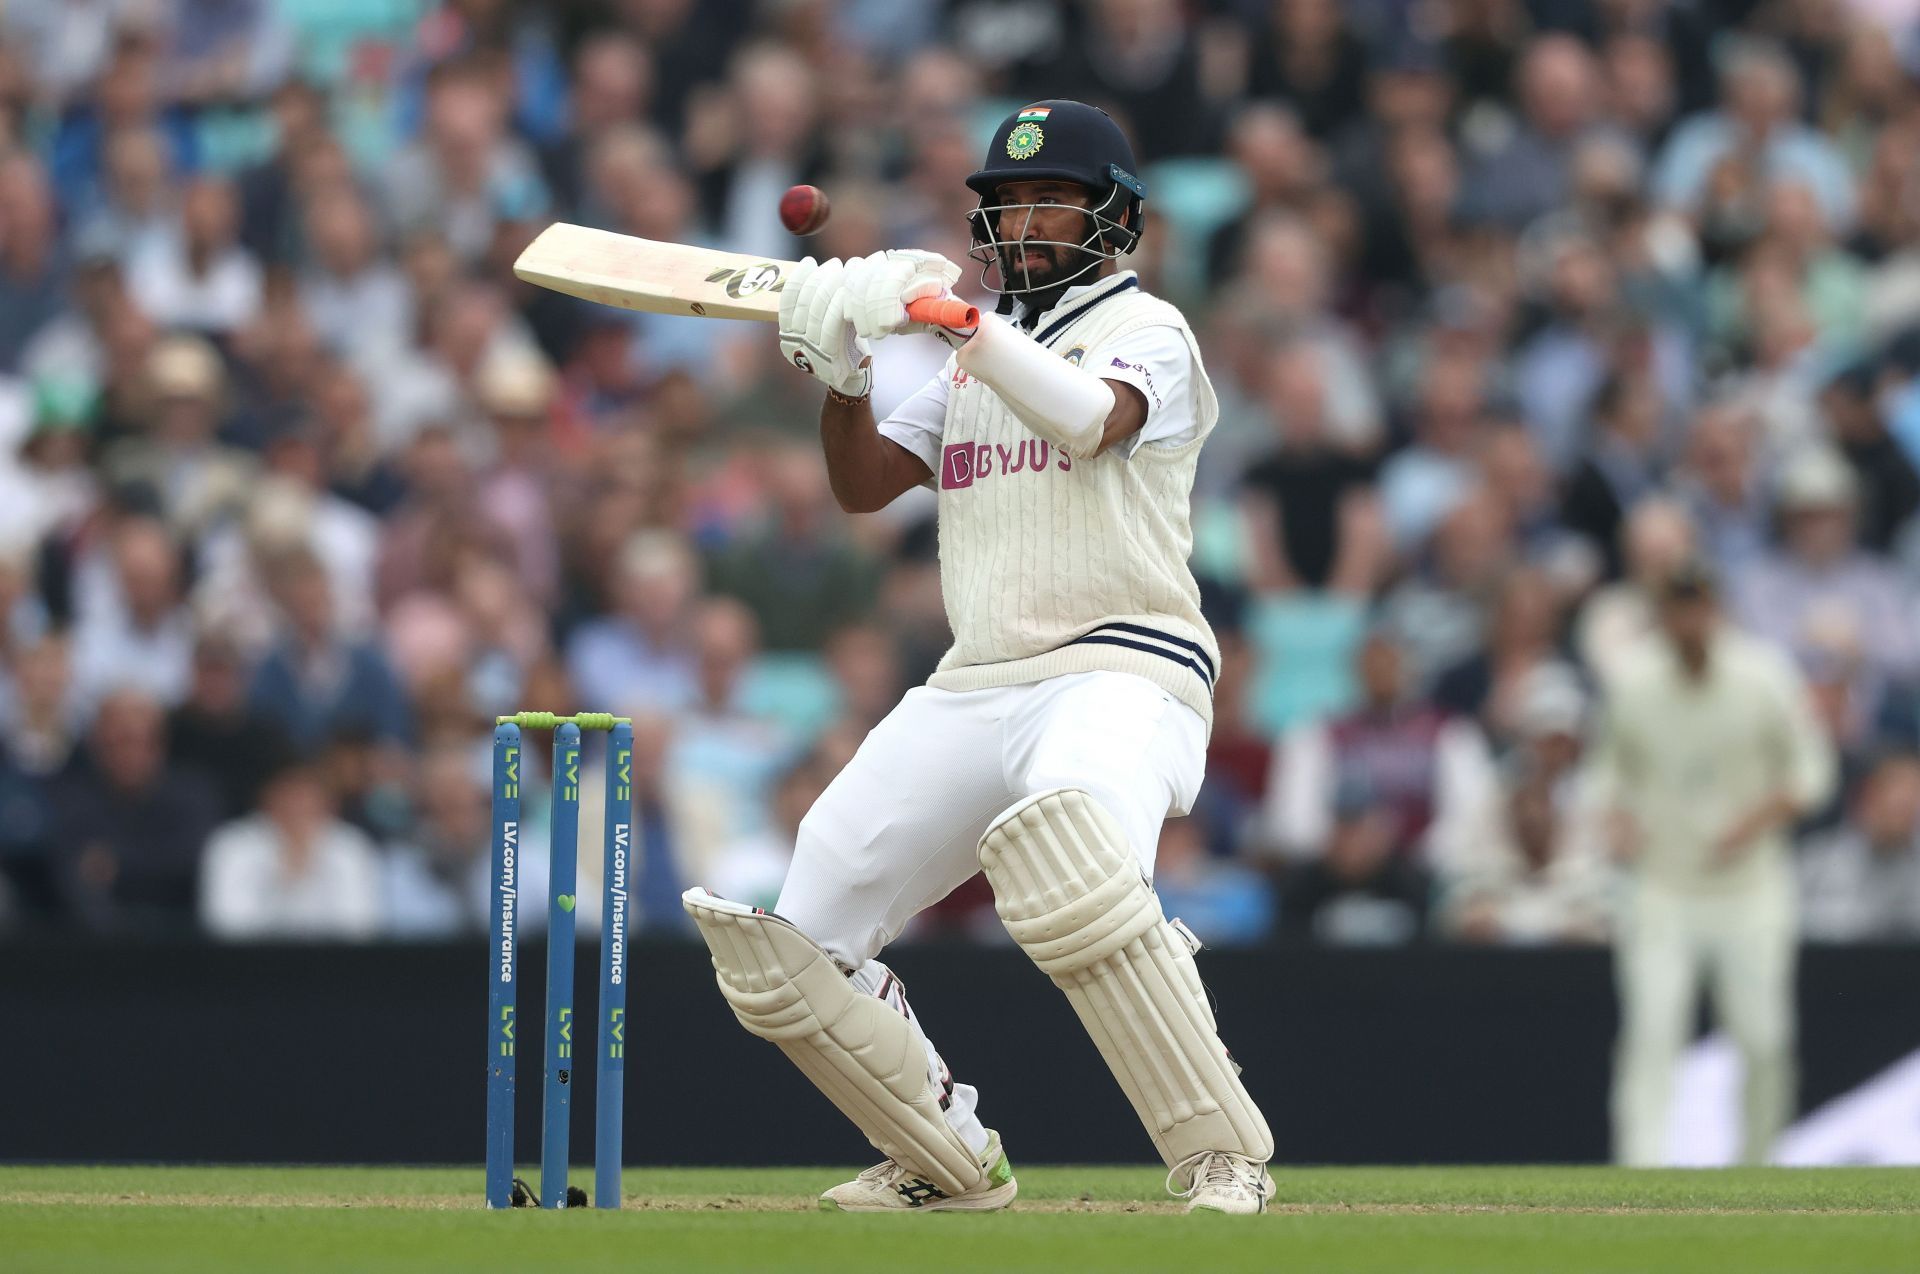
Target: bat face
659,278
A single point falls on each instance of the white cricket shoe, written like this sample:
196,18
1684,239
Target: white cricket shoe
1221,1181
889,1187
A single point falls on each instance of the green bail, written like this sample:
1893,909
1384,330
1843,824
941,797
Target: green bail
554,720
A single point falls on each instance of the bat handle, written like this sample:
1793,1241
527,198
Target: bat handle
944,312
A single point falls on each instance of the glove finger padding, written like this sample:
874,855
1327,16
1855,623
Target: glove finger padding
886,281
803,270
818,291
815,335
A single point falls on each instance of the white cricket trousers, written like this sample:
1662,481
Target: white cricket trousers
900,827
1742,942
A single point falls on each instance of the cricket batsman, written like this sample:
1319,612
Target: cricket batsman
1070,716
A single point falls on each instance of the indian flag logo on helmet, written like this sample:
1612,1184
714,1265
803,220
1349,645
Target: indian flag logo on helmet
1027,137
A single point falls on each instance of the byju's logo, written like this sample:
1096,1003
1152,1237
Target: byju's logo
963,463
956,466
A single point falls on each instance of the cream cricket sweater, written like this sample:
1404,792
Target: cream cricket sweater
1685,758
1051,565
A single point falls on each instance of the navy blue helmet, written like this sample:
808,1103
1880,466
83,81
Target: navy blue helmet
1057,140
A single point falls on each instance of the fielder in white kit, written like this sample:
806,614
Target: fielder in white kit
1067,721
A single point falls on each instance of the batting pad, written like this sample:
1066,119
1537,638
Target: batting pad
868,1058
1070,892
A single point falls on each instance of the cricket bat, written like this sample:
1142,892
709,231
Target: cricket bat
679,278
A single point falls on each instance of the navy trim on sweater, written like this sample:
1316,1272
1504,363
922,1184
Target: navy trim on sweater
1200,666
1052,329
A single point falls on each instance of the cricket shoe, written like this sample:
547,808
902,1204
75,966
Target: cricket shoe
889,1187
1221,1181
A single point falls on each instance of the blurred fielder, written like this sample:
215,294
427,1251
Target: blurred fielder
1709,753
1070,716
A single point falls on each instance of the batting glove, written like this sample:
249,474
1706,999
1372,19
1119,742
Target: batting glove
815,334
879,287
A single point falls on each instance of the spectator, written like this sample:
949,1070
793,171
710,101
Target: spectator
268,188
358,468
436,884
1818,581
128,827
1284,283
130,215
214,732
1139,56
640,656
1588,335
1719,485
865,664
755,142
1860,882
1826,280
1282,168
516,389
1439,613
1888,487
70,348
721,750
179,455
32,278
146,641
1359,893
1711,167
1522,645
1312,518
1560,98
198,277
44,717
1309,57
355,299
315,683
1422,483
1411,760
465,174
1530,865
612,81
1232,801
800,570
1620,468
292,870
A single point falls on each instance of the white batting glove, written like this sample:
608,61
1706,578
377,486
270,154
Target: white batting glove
879,287
815,333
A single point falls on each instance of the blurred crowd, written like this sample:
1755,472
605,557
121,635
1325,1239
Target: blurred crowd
1511,307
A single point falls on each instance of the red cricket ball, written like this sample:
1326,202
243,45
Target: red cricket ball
804,209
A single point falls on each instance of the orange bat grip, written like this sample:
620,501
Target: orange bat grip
944,312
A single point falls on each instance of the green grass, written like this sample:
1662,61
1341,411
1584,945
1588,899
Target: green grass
1403,1220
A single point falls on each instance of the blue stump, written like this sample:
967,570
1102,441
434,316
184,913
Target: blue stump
563,857
503,964
611,1068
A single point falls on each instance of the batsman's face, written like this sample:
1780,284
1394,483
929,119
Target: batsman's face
1041,211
